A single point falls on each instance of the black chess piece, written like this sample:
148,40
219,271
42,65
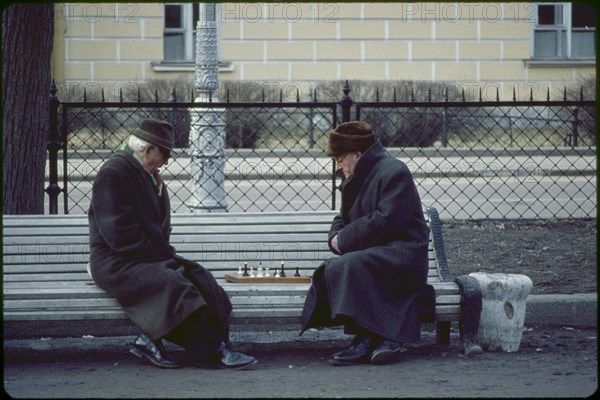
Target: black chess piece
282,273
246,270
297,272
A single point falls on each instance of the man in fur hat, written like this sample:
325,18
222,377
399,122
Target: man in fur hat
381,238
166,296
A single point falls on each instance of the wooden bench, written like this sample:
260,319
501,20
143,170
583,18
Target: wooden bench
48,292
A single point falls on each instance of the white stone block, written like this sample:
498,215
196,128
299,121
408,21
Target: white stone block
503,298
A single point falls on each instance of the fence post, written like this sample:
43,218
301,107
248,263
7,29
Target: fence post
53,146
311,125
346,103
575,126
444,122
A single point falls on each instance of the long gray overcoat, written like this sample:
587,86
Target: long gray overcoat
383,239
130,254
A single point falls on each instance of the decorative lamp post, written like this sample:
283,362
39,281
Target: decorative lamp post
207,136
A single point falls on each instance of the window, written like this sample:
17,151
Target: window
565,31
179,37
180,32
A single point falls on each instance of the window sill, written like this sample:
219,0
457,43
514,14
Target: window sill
560,63
186,66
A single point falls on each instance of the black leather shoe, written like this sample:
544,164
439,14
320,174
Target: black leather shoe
359,351
227,358
387,352
154,352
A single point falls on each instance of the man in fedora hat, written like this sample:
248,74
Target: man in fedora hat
166,296
381,238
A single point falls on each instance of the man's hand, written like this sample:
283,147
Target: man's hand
334,244
158,177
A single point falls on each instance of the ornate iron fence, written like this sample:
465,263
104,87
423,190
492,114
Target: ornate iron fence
471,159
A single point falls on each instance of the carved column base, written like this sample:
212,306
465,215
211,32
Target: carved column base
207,169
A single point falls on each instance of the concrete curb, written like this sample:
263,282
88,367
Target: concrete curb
579,309
287,167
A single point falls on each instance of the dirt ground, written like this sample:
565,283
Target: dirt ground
558,255
553,361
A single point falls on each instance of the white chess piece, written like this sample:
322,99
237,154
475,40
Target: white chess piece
267,273
240,273
259,272
282,272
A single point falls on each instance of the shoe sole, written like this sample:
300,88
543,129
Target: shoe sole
343,363
339,363
386,356
143,356
219,366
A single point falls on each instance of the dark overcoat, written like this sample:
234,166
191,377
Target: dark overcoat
383,240
130,254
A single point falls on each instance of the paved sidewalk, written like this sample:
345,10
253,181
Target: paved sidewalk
557,358
558,361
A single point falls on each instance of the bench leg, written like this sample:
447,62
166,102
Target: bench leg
443,332
470,306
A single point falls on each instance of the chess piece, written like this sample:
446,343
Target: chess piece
297,272
267,273
240,271
282,273
245,269
260,270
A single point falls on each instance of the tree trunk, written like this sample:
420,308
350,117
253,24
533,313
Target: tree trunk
27,35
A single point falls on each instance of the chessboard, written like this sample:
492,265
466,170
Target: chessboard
262,275
234,278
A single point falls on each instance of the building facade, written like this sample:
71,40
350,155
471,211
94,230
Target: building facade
488,47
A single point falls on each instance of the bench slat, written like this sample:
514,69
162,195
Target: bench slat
79,254
84,283
98,302
443,313
184,218
180,230
33,281
27,297
75,272
39,244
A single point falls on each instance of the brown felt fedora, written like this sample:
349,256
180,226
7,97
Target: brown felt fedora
159,133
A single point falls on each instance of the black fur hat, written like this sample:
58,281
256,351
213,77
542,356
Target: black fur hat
350,137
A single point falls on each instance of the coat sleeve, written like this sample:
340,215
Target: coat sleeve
336,226
119,221
397,205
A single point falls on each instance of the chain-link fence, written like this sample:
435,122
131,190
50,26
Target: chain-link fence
274,152
471,159
495,160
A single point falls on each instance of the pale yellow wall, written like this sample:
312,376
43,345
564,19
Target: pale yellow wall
473,43
107,43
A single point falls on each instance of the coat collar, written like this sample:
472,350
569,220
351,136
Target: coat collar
160,200
129,157
369,158
365,164
126,152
